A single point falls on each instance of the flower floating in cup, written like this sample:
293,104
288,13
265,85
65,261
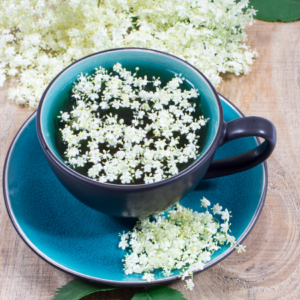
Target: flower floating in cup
176,239
127,129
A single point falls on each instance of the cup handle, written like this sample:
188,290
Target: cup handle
243,127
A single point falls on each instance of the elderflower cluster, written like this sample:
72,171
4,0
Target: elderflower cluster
123,133
39,38
176,239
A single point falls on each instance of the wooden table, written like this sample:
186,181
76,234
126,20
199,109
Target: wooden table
270,269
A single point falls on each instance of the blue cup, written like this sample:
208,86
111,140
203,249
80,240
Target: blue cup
144,199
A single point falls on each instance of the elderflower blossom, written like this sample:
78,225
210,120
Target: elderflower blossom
190,284
138,134
175,239
240,248
39,38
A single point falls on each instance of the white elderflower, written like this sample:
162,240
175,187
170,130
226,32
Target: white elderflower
94,106
230,239
240,248
104,105
225,215
217,209
117,67
116,104
190,137
225,227
158,106
202,122
174,239
73,152
138,174
93,96
13,72
123,244
182,159
221,238
158,177
156,82
102,179
205,202
65,117
149,277
93,172
141,115
119,148
126,178
187,119
148,179
80,162
194,126
135,122
190,284
44,50
73,161
184,130
144,95
173,170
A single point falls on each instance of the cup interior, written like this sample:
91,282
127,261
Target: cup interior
150,63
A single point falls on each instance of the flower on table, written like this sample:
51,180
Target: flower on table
190,284
240,248
37,52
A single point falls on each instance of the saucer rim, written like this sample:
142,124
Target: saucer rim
167,280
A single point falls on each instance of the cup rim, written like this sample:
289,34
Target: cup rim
130,187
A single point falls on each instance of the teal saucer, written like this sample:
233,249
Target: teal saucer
84,242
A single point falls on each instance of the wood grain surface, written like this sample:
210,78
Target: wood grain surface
270,269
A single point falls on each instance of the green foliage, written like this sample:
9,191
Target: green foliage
76,289
159,293
276,10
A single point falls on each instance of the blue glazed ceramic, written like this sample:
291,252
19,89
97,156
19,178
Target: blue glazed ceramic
144,199
84,242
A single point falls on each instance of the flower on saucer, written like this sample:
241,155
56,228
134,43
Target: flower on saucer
178,238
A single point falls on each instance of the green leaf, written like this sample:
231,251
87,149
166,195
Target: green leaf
276,10
76,289
159,293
